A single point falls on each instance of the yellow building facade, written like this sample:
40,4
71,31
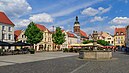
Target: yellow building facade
46,44
119,36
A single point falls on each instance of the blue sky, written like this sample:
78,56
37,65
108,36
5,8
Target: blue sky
100,15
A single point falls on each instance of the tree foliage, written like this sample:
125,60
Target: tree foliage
34,35
87,41
58,37
102,42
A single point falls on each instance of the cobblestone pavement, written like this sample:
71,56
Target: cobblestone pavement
16,59
119,64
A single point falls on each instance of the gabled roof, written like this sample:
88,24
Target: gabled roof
83,33
104,34
41,27
70,34
17,33
4,19
119,31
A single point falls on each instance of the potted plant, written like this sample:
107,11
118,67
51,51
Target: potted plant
32,51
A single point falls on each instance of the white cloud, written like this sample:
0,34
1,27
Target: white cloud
15,8
120,20
102,10
76,7
43,17
21,22
97,18
92,12
118,26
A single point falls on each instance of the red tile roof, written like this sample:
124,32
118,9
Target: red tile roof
17,33
83,33
70,34
41,27
120,30
62,30
4,19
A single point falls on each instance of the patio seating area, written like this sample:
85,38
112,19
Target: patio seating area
18,48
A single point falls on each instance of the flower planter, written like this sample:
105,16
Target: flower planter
32,52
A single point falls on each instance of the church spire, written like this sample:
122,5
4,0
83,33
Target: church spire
76,22
76,18
76,26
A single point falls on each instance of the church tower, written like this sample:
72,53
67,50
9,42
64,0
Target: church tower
77,27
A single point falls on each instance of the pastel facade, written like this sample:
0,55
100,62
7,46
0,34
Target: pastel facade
20,36
46,44
119,36
6,29
108,37
70,39
65,44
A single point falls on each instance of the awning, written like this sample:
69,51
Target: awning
20,44
85,45
4,43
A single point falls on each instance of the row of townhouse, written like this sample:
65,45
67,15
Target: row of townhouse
7,34
118,39
104,36
47,45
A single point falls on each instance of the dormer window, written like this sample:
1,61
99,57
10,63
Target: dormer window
117,33
121,33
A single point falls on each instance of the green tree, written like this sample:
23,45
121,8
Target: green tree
34,35
87,41
102,42
58,37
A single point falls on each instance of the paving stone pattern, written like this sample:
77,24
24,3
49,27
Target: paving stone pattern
119,64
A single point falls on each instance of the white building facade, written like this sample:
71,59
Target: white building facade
6,29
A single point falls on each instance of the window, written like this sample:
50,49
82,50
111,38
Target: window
117,33
9,36
109,38
121,42
22,36
3,27
9,29
112,42
122,33
3,36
